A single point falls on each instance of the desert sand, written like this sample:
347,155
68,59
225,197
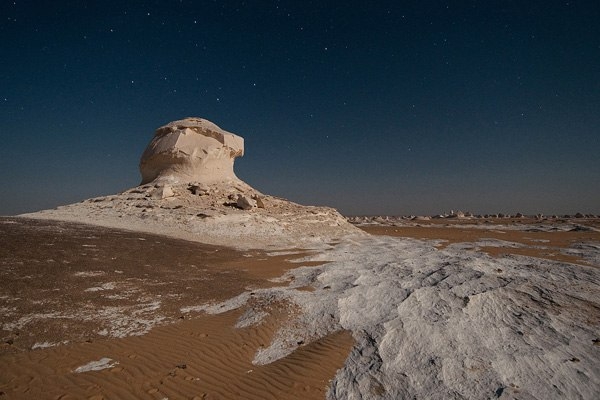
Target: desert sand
93,312
196,285
96,313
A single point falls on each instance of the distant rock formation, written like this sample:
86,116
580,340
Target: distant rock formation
191,150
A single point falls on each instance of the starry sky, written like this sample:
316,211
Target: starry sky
372,107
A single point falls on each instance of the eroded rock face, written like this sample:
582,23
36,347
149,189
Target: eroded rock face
191,150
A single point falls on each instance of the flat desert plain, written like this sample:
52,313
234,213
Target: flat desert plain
484,309
528,237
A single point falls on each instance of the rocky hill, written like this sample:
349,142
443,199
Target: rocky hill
189,190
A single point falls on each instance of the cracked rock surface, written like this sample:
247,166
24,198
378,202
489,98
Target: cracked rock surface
452,323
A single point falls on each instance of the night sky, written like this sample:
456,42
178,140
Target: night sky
372,107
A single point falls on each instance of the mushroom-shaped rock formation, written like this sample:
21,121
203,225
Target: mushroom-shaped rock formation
191,150
189,191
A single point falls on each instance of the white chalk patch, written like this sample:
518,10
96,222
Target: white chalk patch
45,345
104,286
103,363
418,312
88,274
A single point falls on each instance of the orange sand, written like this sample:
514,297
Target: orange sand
204,358
191,356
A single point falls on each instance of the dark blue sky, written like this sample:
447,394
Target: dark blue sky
382,107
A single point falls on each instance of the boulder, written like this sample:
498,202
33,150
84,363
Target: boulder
259,202
199,189
162,192
191,150
245,202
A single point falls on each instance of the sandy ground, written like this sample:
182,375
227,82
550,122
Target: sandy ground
99,313
71,295
530,240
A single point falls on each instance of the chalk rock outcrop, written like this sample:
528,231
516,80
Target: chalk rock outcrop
190,191
191,150
245,202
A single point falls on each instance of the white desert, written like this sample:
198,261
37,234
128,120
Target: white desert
195,285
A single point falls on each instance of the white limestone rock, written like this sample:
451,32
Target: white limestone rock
245,202
442,324
191,150
163,192
199,189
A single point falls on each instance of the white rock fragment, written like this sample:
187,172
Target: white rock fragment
163,192
103,363
199,189
43,345
104,286
245,202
